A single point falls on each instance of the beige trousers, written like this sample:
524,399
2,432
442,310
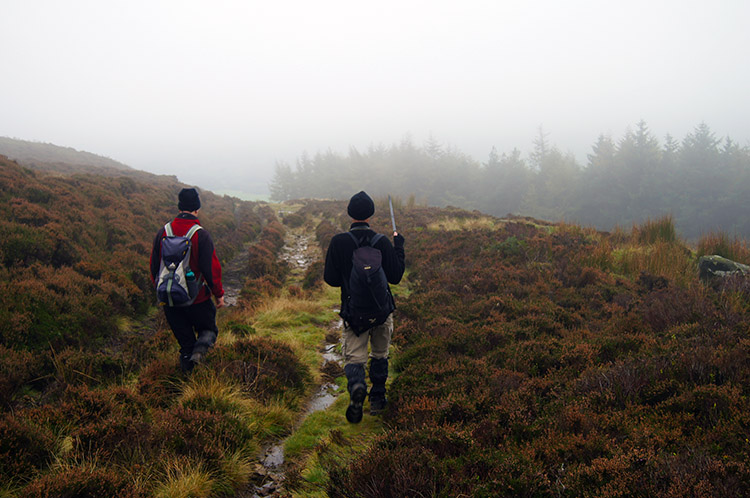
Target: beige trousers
379,338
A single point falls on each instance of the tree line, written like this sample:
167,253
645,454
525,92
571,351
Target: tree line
701,181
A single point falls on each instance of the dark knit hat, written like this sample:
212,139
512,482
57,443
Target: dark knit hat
189,200
361,206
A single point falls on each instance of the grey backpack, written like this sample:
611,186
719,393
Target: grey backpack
176,284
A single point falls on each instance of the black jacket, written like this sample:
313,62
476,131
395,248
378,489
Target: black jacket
339,257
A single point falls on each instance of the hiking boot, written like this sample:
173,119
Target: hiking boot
377,404
357,398
206,340
186,364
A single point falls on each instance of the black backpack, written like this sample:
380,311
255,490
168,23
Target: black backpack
370,301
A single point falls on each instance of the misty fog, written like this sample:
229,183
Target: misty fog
219,93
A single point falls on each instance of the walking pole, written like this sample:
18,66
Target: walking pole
393,219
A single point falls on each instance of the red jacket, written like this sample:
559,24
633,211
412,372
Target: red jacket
203,260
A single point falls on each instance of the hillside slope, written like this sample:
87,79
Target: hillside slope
50,157
75,250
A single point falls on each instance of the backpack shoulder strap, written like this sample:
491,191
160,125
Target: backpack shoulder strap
355,239
375,239
170,233
192,231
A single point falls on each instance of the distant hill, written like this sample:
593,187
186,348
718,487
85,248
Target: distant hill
57,160
54,158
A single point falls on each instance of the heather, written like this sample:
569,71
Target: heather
75,250
530,358
92,402
539,359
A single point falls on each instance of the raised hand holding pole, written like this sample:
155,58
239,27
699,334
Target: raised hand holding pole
393,219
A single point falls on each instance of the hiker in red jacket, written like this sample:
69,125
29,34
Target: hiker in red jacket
194,326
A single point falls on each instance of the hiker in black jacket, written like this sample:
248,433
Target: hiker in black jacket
337,273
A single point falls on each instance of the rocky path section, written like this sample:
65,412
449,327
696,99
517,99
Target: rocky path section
300,251
233,275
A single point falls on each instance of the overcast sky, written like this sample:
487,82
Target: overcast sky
227,88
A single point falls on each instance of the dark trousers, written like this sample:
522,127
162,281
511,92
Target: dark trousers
188,322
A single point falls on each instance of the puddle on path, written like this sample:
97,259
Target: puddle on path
272,473
273,457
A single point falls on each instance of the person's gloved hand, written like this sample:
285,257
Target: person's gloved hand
398,240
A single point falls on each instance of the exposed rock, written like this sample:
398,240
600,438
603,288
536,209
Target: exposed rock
714,266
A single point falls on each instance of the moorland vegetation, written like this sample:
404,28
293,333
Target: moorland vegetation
530,358
540,359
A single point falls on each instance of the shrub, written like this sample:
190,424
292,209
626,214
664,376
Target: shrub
406,471
16,369
200,434
82,482
25,448
264,367
78,366
293,220
159,381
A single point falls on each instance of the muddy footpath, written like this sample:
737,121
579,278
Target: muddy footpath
299,251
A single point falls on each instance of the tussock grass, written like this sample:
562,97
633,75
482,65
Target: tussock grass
206,391
183,479
601,256
653,231
125,324
453,224
719,243
285,311
653,248
273,418
6,491
664,259
236,471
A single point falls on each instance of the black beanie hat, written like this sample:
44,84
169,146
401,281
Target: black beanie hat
188,200
361,206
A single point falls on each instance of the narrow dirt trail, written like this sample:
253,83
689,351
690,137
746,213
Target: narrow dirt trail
300,251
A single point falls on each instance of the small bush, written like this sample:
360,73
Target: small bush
200,434
264,367
82,482
25,447
159,381
293,220
16,369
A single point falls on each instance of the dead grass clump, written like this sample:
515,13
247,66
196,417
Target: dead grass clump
653,231
721,244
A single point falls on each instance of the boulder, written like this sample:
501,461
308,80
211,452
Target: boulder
714,266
